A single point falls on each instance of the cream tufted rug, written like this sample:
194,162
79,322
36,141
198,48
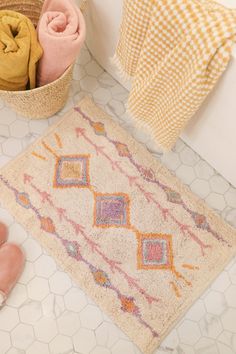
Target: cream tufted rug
132,236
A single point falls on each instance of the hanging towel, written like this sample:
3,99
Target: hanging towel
19,52
175,51
61,32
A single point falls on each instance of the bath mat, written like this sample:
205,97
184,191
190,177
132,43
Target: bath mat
136,240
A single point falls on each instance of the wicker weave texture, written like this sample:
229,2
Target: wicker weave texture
44,101
29,8
41,102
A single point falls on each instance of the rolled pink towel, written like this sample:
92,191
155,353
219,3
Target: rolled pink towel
61,32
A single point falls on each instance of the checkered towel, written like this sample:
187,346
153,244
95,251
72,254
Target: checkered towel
175,50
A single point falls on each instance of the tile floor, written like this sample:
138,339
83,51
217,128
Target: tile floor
48,313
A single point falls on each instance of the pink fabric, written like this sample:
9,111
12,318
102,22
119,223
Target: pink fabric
12,262
154,252
61,33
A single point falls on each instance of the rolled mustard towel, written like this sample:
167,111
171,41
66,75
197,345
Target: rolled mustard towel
19,52
61,32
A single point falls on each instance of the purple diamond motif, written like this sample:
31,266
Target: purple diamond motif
111,210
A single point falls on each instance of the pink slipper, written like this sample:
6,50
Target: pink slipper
3,233
12,262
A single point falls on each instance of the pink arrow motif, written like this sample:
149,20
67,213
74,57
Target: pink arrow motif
165,213
116,164
61,213
184,227
132,180
27,178
99,149
80,131
148,195
78,228
45,197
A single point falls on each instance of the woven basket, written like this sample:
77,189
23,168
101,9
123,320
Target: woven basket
44,101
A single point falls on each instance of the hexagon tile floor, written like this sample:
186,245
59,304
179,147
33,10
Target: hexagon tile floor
48,313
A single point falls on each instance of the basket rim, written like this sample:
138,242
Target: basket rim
37,89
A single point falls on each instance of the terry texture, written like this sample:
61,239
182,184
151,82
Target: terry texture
134,238
175,50
19,52
61,32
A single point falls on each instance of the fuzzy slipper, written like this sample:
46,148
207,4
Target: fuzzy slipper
12,262
3,233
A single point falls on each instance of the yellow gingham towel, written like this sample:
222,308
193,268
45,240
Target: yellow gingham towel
175,50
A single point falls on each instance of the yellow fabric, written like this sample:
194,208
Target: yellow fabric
19,52
175,50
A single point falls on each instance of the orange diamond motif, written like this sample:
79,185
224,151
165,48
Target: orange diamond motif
72,171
